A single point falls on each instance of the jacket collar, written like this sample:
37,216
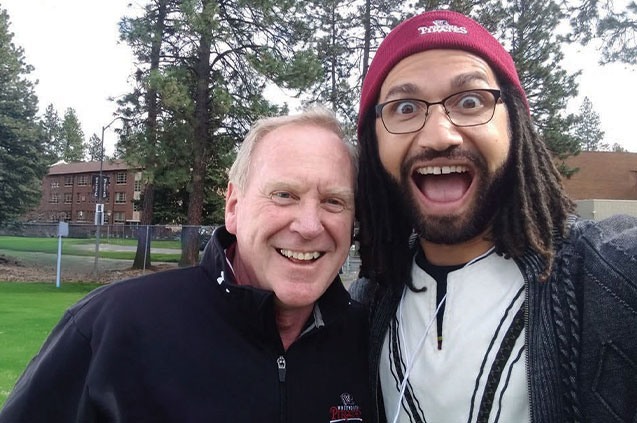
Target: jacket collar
259,302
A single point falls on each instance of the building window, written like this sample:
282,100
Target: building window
55,184
138,186
54,199
81,216
120,197
82,180
137,206
66,216
119,217
68,180
121,177
68,198
77,197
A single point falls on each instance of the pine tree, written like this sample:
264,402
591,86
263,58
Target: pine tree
378,18
214,61
72,137
333,24
618,32
94,148
618,148
229,50
22,164
146,34
52,131
587,128
592,20
532,28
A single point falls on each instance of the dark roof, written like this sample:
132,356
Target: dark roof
86,167
603,175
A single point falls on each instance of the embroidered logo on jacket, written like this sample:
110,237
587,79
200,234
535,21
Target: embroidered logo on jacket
347,412
442,26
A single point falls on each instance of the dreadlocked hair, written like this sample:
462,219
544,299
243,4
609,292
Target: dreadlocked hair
385,225
534,207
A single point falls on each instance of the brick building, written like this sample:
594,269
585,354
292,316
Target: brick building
69,193
606,184
603,175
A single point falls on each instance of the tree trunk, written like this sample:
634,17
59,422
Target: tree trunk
333,94
368,35
142,232
142,256
190,236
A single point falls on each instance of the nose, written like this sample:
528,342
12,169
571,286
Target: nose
307,221
439,133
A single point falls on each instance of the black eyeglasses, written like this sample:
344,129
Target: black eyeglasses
466,108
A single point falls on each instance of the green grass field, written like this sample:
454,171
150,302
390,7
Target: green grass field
77,247
28,312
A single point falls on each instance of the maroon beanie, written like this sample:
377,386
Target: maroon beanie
438,29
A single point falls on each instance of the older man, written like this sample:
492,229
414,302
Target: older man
261,331
503,308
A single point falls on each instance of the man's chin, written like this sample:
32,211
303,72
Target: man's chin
447,229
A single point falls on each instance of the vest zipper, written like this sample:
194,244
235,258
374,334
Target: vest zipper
281,366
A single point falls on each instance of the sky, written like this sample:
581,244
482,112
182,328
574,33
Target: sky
80,63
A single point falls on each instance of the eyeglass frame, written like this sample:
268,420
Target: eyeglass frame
497,94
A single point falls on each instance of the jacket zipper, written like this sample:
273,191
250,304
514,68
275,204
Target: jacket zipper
527,337
281,366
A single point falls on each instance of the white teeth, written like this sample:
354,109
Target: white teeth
437,170
298,255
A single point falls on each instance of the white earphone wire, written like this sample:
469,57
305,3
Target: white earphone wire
410,360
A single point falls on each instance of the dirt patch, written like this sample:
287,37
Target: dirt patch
8,261
116,275
13,270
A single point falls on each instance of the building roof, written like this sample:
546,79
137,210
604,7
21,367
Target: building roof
86,167
603,175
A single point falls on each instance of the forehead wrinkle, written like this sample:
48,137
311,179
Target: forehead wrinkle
458,82
464,79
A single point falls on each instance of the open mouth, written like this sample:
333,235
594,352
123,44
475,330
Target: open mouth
443,184
300,256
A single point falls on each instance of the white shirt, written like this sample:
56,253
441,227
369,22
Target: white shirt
482,300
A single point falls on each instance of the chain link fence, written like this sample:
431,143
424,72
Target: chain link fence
29,251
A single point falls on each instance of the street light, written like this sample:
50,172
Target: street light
99,218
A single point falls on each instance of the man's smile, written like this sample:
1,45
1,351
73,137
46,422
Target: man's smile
443,183
300,255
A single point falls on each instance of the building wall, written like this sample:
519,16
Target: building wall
601,209
606,184
603,175
69,197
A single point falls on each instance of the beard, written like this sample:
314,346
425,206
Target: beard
454,229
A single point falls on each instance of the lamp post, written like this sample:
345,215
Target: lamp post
99,218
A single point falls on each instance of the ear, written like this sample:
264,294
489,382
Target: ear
232,204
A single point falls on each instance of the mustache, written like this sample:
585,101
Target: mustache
454,153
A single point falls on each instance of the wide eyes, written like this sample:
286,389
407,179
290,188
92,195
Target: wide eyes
469,101
406,107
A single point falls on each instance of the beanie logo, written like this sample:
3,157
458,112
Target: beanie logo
442,26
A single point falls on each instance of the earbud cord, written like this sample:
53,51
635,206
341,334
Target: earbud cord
409,361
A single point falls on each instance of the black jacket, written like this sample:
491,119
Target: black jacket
581,326
189,345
